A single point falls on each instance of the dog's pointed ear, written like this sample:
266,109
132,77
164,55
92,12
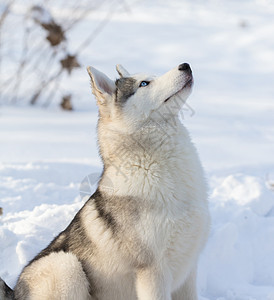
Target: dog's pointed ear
122,71
102,86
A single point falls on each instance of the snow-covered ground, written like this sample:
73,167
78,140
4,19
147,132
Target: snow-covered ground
46,154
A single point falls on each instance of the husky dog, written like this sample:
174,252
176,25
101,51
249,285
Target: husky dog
140,234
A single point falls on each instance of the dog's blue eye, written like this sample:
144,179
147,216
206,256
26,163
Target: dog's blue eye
144,83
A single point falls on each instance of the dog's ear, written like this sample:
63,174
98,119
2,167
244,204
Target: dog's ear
102,86
122,71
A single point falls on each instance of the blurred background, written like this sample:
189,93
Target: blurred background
46,45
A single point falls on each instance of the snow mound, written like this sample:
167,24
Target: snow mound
238,260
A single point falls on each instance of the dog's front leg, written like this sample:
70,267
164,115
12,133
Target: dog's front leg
188,289
153,284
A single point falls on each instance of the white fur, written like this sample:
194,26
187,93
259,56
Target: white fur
57,276
170,180
152,165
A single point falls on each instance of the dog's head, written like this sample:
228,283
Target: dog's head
132,100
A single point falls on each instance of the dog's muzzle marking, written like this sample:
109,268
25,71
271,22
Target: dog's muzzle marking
185,67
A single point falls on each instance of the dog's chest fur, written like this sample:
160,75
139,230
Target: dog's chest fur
155,196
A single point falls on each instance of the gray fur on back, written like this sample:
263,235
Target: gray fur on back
6,293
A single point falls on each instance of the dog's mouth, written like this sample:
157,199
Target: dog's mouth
188,84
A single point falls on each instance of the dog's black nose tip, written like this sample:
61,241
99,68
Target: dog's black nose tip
184,67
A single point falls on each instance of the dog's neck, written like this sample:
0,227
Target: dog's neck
144,156
142,144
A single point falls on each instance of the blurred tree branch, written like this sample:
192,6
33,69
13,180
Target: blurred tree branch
42,47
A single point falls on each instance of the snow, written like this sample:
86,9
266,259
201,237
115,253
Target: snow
242,239
48,156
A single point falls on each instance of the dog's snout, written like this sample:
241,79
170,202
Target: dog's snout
184,67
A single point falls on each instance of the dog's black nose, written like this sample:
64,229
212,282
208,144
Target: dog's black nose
184,67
